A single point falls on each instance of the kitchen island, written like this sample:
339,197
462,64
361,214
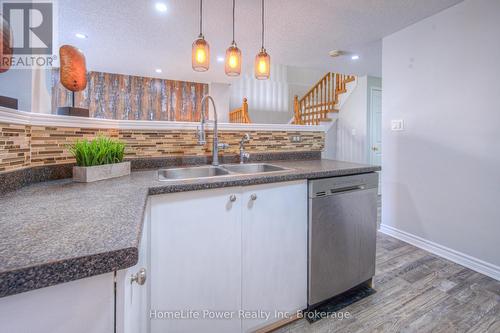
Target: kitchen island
60,231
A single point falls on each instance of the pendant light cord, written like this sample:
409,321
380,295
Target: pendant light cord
201,17
263,24
233,18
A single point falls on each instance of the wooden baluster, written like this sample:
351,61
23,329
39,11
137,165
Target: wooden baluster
322,101
330,84
318,96
307,106
337,86
302,108
295,109
311,103
328,93
314,103
325,107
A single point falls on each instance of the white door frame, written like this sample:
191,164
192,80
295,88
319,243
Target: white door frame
370,122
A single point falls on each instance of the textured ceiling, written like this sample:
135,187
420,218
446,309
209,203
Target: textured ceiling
130,37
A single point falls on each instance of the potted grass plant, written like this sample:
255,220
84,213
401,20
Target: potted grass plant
98,159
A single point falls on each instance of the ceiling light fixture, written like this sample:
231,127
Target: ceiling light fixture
158,70
336,53
200,53
161,7
81,36
355,57
262,60
220,59
233,55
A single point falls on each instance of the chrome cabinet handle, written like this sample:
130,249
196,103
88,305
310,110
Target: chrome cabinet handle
232,198
139,277
253,197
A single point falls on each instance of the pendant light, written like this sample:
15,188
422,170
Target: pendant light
233,56
262,60
200,55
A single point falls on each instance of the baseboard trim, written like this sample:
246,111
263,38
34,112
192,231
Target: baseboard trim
463,259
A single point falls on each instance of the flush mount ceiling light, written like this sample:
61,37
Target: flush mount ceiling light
336,53
158,70
262,60
161,7
233,55
220,59
81,36
200,53
355,57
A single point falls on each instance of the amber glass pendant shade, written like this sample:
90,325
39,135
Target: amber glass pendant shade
262,65
233,61
200,58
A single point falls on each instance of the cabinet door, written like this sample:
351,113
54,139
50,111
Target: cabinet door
274,233
81,306
196,260
132,298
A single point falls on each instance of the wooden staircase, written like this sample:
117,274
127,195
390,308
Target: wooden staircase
321,99
240,115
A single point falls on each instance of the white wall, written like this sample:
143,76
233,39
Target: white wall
221,94
16,83
353,122
271,101
267,99
352,125
441,176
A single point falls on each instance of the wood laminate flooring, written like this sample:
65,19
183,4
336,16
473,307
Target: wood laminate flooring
417,292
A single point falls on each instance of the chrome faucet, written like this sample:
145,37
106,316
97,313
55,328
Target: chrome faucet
244,155
202,135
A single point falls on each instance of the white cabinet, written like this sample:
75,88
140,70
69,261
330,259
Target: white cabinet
226,250
132,297
93,304
208,255
80,306
195,260
274,234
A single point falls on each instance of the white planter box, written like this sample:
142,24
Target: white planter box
100,172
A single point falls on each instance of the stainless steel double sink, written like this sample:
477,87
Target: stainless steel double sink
217,171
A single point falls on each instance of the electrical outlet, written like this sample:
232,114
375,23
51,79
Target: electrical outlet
296,138
397,125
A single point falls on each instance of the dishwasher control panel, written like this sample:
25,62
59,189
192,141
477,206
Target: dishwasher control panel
330,186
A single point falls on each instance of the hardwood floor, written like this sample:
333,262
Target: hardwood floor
417,292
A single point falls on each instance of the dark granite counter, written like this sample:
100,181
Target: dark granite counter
60,231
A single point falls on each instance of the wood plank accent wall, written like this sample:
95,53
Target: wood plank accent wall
126,97
23,146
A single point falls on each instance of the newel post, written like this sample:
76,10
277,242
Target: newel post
296,110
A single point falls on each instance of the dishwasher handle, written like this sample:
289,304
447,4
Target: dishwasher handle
348,189
337,185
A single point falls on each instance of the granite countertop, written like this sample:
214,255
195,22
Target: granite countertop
60,231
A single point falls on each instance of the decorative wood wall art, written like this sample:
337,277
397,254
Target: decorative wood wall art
117,96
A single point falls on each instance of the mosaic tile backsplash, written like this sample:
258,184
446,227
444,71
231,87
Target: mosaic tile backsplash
23,146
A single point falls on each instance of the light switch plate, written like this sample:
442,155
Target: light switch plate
397,125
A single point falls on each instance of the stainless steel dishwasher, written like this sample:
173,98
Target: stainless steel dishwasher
342,234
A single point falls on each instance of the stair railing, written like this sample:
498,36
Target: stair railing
240,115
321,99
